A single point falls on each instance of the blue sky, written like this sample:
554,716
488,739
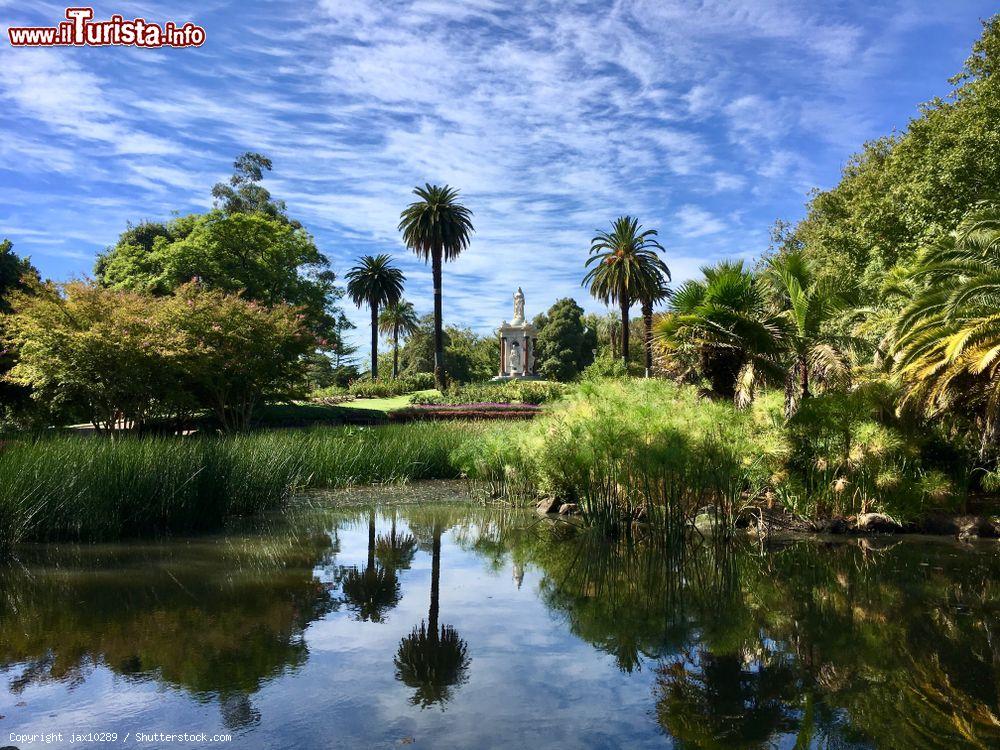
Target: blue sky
707,120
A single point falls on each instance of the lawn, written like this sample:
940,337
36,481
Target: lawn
384,405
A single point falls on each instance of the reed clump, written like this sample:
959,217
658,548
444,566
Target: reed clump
628,451
86,488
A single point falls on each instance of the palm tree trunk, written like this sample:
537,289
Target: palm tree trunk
395,350
374,342
625,306
647,319
432,616
371,539
438,315
804,366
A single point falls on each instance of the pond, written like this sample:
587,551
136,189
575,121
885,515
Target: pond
446,624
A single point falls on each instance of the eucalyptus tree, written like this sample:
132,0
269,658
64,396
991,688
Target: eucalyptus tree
398,318
375,282
437,228
623,262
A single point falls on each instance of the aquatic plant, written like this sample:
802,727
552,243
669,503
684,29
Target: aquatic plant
93,488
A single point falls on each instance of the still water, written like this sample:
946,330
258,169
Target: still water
384,622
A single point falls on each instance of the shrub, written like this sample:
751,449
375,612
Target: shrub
631,449
850,453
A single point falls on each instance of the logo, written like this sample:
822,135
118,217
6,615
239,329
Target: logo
80,30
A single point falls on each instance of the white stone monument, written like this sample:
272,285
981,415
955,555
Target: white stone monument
517,345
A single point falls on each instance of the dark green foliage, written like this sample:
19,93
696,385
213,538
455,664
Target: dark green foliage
850,452
904,191
565,345
470,357
17,275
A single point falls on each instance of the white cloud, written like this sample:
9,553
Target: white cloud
693,222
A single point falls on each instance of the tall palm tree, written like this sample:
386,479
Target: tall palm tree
813,349
947,341
653,292
436,227
395,319
623,260
375,282
722,328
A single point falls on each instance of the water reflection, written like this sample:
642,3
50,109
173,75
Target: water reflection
433,659
576,640
373,591
215,617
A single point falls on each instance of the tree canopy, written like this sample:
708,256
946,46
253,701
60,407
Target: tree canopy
565,345
904,191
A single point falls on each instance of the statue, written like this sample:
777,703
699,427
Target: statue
514,361
518,307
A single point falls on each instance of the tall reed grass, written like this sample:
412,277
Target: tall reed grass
97,489
635,450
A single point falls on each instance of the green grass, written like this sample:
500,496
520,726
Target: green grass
385,405
92,488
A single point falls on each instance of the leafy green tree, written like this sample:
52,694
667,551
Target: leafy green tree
812,347
437,227
235,353
375,282
471,357
262,258
624,261
947,341
397,318
94,350
905,191
122,358
244,194
565,345
722,328
17,276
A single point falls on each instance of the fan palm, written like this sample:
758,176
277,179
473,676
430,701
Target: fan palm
624,260
375,282
437,227
398,318
947,341
812,349
721,328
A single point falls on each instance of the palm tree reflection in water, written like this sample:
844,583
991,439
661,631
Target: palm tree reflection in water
372,592
433,659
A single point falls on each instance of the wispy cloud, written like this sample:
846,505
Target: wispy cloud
706,119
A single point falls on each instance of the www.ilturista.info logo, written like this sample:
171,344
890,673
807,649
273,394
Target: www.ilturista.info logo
81,30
